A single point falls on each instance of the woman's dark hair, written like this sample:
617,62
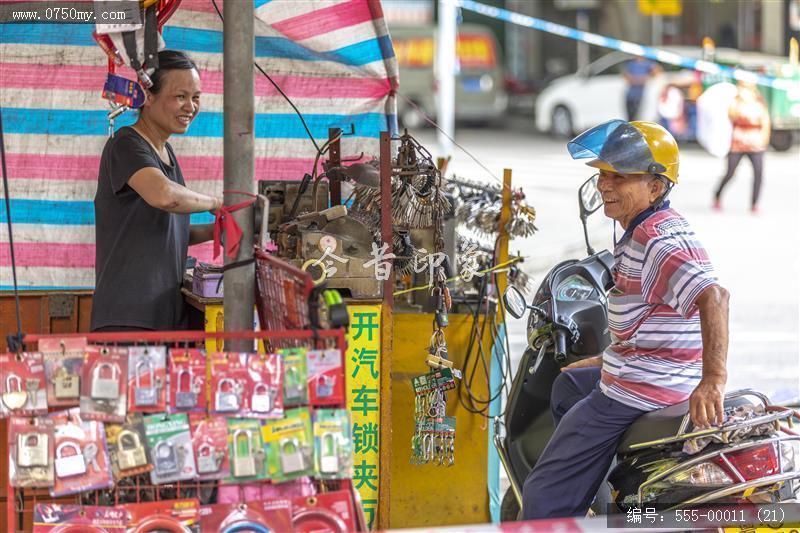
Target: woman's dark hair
170,60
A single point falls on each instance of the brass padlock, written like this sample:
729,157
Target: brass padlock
14,397
32,449
145,396
185,399
67,385
207,459
166,459
105,388
292,459
329,454
130,452
244,464
261,400
69,465
226,401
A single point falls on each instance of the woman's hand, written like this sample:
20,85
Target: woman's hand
597,360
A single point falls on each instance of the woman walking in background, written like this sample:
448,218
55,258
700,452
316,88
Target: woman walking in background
751,131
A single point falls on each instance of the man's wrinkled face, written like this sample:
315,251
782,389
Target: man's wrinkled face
627,195
178,101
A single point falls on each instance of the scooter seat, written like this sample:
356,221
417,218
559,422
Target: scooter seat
658,424
664,423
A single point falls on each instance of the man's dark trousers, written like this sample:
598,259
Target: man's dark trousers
573,465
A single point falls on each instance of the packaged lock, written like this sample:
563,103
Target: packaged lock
105,381
185,396
166,458
325,386
145,396
226,398
72,464
244,462
292,458
207,459
130,451
329,454
67,385
261,400
32,449
14,396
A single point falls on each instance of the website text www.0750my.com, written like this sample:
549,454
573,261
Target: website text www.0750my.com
125,12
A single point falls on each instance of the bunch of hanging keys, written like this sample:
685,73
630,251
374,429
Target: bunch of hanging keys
434,432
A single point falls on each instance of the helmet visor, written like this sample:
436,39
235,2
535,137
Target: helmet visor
618,144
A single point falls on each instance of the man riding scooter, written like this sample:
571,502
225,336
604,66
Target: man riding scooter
667,315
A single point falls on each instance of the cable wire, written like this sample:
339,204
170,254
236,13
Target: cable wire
14,343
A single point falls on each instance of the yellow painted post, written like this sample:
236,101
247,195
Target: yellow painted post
502,241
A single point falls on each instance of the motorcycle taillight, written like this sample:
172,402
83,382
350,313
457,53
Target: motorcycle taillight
754,463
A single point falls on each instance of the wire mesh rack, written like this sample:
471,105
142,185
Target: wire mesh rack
283,293
21,502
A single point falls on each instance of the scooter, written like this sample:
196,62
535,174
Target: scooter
568,322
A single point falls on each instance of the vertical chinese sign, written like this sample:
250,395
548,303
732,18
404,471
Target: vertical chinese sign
363,401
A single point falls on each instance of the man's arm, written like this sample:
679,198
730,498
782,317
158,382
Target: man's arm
162,193
200,233
706,401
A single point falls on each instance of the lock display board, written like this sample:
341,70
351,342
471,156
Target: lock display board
362,372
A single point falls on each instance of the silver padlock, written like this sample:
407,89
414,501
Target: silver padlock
130,452
105,388
261,400
145,396
185,399
67,385
32,449
329,454
244,464
294,387
207,459
14,397
166,459
226,401
292,459
325,386
69,465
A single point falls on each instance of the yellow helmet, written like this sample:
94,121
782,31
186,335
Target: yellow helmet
629,148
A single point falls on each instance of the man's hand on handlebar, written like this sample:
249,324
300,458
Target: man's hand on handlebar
597,360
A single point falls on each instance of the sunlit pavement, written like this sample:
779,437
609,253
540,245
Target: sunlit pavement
755,256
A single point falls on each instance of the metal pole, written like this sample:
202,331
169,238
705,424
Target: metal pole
239,104
446,69
582,22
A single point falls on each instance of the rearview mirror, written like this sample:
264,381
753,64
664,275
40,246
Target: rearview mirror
514,302
589,197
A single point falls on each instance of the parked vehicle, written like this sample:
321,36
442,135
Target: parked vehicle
568,322
480,92
596,93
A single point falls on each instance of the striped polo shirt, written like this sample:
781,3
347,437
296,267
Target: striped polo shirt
655,356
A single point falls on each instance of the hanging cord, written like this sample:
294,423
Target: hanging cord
14,341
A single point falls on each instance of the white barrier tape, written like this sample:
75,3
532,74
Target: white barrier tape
628,47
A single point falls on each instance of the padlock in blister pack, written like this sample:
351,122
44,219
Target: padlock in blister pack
81,456
63,364
187,371
72,463
229,382
210,443
226,397
295,376
104,391
333,446
292,458
245,450
130,450
289,444
170,442
325,377
146,379
30,450
22,384
265,387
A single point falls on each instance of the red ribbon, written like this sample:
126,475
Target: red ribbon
225,223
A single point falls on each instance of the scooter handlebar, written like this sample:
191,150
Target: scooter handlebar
560,349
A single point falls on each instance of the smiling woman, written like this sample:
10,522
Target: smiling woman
142,208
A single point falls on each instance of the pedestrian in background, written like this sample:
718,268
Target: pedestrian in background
637,72
751,130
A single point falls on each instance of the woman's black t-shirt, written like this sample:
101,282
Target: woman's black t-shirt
140,252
